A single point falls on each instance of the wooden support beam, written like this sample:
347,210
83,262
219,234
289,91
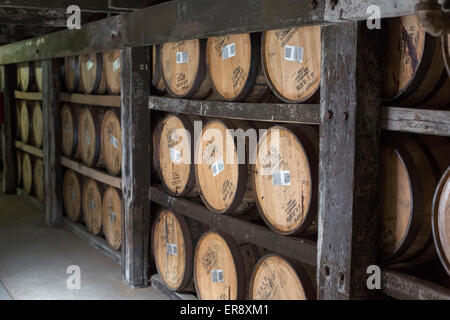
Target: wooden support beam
349,163
48,17
136,172
52,142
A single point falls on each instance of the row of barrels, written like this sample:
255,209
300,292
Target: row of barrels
282,181
218,267
92,134
93,73
29,76
30,174
29,122
242,67
98,206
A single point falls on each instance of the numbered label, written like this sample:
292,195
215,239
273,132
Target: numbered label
114,141
172,249
89,64
182,57
116,64
217,275
175,155
293,53
92,205
281,178
112,217
217,167
228,51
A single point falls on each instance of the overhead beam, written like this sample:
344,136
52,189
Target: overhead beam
85,5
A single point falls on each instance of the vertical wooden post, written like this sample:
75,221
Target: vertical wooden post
52,142
136,165
349,159
9,180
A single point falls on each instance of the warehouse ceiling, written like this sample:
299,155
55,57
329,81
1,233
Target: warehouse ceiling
24,19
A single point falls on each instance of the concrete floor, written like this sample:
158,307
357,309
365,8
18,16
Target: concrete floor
34,260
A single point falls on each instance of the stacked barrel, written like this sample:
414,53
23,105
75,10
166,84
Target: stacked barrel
92,136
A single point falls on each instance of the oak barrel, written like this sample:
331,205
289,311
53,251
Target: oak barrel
158,86
291,61
112,68
222,267
184,69
408,180
18,119
112,208
72,196
38,179
277,278
18,76
72,73
91,204
19,156
26,77
70,143
111,142
38,75
89,128
27,173
441,220
285,178
25,121
92,77
176,155
446,51
234,68
222,173
413,70
37,127
174,238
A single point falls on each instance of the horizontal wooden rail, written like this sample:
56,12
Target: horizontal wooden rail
32,96
93,100
29,149
405,287
299,249
92,173
96,242
279,112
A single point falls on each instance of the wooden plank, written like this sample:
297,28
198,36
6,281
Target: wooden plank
93,100
282,112
299,249
85,5
99,243
405,287
52,142
159,285
349,160
136,169
33,96
432,122
92,173
29,149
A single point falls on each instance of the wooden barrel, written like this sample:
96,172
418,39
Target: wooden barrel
18,76
38,179
91,204
184,69
158,86
174,238
276,278
111,142
441,220
70,144
18,119
408,181
37,127
25,121
89,128
446,52
112,71
38,75
19,156
291,61
92,78
26,76
285,178
156,127
222,267
27,173
72,196
413,69
176,155
224,185
72,73
234,68
112,208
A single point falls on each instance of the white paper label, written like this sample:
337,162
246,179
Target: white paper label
281,178
74,195
67,127
172,249
112,217
217,275
175,155
88,138
89,64
293,53
114,141
217,167
182,57
72,64
228,51
116,64
92,205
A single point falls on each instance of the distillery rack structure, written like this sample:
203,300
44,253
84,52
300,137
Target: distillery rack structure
350,117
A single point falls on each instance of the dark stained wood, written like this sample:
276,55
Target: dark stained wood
85,5
348,165
93,100
136,171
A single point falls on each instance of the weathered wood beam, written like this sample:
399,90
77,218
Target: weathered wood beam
85,5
